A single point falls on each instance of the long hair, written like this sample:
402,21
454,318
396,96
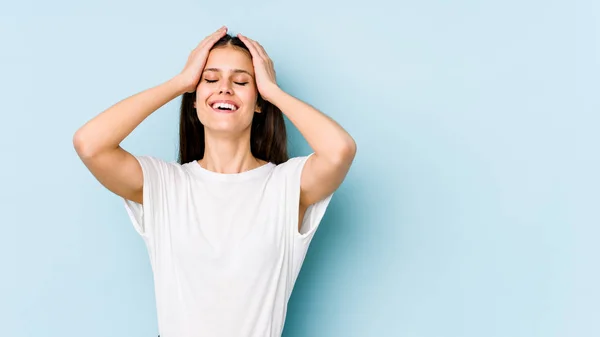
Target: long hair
268,138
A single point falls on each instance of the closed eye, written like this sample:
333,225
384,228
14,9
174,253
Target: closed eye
213,81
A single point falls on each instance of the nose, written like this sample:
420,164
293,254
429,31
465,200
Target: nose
225,88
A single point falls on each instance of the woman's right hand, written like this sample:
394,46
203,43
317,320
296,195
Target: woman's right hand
191,73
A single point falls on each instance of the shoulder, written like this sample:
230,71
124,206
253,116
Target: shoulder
289,173
157,168
292,166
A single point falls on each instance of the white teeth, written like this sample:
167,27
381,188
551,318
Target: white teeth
224,106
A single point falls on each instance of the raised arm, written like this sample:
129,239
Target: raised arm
98,141
334,149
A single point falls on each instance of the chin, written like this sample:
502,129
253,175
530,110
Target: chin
225,123
227,127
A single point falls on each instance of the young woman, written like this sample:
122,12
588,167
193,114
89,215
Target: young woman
227,227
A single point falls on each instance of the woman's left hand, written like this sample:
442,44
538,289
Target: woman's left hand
264,72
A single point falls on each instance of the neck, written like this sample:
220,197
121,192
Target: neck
228,154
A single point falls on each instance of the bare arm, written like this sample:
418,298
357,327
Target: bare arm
98,141
334,149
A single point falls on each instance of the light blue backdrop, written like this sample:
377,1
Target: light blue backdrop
473,207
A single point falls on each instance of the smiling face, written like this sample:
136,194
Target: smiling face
226,95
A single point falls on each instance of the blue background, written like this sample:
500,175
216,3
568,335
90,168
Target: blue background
472,209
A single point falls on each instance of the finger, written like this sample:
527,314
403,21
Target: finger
217,32
214,37
256,46
261,51
263,54
220,31
248,42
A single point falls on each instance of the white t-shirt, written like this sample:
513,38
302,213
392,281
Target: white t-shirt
225,249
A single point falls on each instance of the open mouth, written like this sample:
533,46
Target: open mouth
224,106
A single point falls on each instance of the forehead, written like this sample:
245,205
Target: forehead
228,58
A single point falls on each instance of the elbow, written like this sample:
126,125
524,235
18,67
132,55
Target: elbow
81,145
351,148
78,143
345,153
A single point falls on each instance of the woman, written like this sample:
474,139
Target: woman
227,227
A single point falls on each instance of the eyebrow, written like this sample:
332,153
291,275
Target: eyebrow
237,71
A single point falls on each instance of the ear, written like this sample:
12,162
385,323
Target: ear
257,108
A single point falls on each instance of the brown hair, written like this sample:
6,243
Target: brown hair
268,139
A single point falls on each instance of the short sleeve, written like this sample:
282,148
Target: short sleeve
314,213
144,217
